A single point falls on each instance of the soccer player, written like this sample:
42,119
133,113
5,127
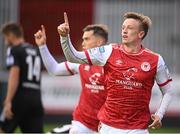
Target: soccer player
130,71
93,94
22,105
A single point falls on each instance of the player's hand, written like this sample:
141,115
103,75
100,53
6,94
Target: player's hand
156,124
8,110
63,29
40,36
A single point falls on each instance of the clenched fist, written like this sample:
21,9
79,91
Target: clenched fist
63,29
40,36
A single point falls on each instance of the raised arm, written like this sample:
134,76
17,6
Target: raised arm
96,56
54,68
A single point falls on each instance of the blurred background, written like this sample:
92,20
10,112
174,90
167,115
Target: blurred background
60,94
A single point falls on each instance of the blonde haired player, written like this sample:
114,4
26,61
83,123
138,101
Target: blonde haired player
130,71
93,94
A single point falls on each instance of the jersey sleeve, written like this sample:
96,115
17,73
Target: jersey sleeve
72,68
96,56
99,55
162,76
164,79
13,58
55,68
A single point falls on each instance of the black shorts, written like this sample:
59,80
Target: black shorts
28,113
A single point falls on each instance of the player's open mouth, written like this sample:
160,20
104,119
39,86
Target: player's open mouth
125,36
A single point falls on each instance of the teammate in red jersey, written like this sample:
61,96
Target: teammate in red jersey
93,94
130,71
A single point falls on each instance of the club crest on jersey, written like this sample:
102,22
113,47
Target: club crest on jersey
145,66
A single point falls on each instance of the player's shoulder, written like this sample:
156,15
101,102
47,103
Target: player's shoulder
101,49
153,55
150,52
15,50
30,49
115,45
20,48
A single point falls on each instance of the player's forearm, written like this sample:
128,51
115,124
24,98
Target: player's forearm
167,97
71,53
13,82
51,64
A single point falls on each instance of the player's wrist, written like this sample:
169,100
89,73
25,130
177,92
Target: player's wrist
8,100
64,37
160,116
42,46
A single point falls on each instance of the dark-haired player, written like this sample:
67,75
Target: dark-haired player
22,105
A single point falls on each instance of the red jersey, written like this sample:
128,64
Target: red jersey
130,78
129,81
92,96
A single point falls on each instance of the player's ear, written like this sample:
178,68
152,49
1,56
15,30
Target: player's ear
141,34
100,41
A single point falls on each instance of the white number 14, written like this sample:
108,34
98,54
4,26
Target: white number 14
33,68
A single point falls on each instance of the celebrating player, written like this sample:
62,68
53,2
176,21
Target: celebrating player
130,71
22,104
93,94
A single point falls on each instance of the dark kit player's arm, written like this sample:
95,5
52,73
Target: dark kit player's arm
13,82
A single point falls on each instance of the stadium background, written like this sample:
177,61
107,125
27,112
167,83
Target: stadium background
60,94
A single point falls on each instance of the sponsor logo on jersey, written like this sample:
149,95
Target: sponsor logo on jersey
95,83
145,66
94,79
128,84
129,74
129,81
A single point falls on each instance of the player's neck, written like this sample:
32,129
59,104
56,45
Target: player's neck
132,48
18,41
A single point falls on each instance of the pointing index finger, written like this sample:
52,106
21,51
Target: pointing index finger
43,28
66,18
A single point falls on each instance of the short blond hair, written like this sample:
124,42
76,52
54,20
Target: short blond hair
145,20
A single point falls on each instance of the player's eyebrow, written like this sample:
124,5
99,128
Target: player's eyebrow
84,38
129,26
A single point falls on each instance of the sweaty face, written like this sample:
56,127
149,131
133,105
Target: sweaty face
90,40
131,31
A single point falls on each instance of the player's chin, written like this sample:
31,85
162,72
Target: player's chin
125,42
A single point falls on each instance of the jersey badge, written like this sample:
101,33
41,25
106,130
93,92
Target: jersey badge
145,66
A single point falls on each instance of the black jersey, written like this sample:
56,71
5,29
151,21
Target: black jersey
27,58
